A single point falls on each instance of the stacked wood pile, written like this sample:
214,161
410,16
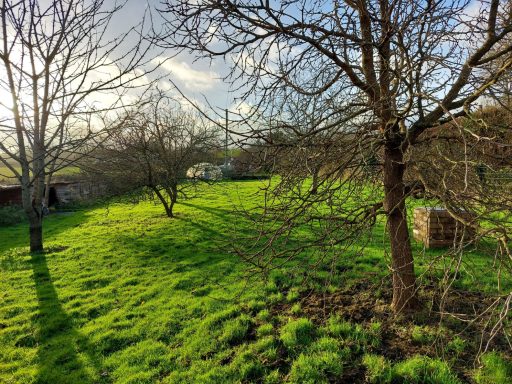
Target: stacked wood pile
435,227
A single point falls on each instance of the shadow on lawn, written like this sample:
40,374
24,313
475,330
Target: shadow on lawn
235,221
62,349
219,212
16,236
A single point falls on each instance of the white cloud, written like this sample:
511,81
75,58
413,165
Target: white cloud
191,78
242,109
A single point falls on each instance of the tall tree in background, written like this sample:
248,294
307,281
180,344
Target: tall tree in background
57,61
389,71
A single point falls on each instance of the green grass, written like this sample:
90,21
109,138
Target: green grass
495,369
9,177
415,370
126,295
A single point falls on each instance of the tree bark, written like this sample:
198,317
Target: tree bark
36,234
402,262
35,218
173,196
47,189
168,207
314,184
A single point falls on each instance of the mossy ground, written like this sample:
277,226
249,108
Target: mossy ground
123,294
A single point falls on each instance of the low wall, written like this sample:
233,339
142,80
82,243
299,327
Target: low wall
435,227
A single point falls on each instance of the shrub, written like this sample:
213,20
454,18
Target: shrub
297,333
495,370
11,215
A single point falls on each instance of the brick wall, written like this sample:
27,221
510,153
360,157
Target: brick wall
435,227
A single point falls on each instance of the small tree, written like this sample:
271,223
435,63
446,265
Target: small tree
151,151
56,59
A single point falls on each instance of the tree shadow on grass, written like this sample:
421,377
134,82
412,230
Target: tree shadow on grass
235,221
64,355
16,236
220,212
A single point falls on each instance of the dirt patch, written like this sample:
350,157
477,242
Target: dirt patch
455,316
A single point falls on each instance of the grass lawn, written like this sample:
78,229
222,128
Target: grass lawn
125,295
8,177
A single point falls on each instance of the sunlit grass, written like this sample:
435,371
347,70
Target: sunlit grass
126,295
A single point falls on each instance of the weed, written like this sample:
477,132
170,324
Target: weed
355,335
422,369
456,346
247,367
293,295
235,330
296,308
495,370
273,377
422,335
266,348
325,344
338,327
275,298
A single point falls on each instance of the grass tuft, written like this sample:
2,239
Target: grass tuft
495,370
297,333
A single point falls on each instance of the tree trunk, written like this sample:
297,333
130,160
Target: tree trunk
36,234
35,218
47,190
163,200
404,280
174,197
314,184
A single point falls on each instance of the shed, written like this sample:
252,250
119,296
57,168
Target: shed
10,195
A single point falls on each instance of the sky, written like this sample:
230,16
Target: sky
202,79
199,79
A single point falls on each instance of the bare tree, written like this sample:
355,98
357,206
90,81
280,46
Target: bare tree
150,151
388,71
57,60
